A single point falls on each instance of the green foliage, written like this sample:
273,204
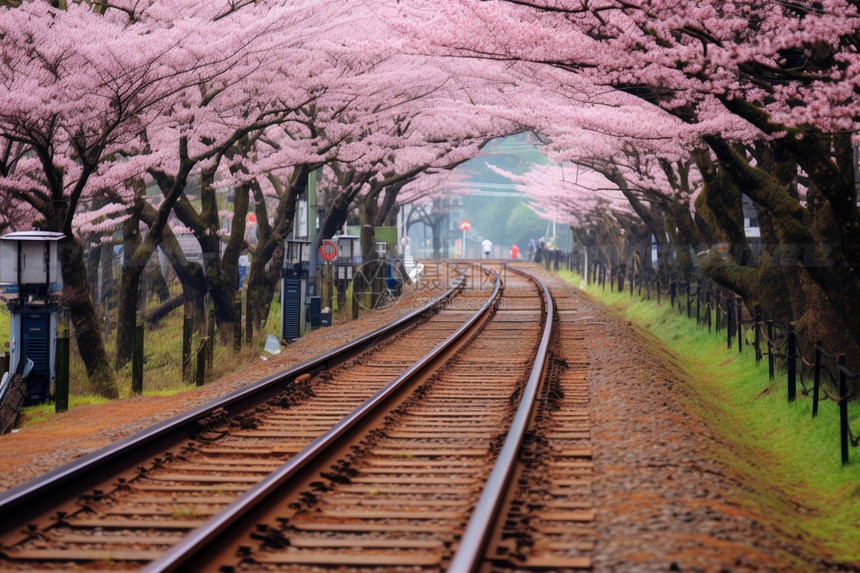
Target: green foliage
790,461
162,367
523,224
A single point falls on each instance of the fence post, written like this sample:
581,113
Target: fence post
757,339
698,300
817,378
186,349
730,312
708,295
739,306
354,304
61,380
210,339
843,409
237,325
770,348
632,279
200,375
791,352
718,315
673,290
689,304
137,361
249,319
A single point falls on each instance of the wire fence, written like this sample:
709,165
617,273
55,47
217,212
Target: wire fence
820,373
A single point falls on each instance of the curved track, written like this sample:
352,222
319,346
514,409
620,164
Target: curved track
398,489
109,507
400,457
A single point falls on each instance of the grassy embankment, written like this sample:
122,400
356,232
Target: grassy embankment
791,461
162,371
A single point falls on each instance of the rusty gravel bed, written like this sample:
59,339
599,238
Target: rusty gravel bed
134,518
398,493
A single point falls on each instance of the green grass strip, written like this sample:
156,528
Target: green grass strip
790,461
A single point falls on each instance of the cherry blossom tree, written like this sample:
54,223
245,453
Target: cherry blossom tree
428,197
71,117
419,114
242,117
770,89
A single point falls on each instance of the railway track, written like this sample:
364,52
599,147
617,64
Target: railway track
398,492
548,517
402,457
50,521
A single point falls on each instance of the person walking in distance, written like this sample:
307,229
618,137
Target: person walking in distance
487,245
515,252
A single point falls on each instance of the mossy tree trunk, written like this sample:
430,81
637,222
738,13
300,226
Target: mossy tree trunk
268,256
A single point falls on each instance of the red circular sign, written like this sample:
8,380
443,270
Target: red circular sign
328,251
465,225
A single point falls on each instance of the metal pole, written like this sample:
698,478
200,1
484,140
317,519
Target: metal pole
210,339
817,378
792,363
186,349
137,361
843,409
757,342
729,320
201,362
237,325
739,307
770,348
61,379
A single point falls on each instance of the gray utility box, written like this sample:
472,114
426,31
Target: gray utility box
30,257
30,279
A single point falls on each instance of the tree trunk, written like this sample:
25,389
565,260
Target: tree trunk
94,255
367,211
436,231
335,218
88,335
154,280
190,274
106,285
129,293
268,257
153,315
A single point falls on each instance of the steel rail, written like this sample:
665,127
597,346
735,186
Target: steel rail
475,537
179,555
75,477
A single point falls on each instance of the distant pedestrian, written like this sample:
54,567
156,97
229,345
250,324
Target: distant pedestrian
515,252
532,250
487,245
539,254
